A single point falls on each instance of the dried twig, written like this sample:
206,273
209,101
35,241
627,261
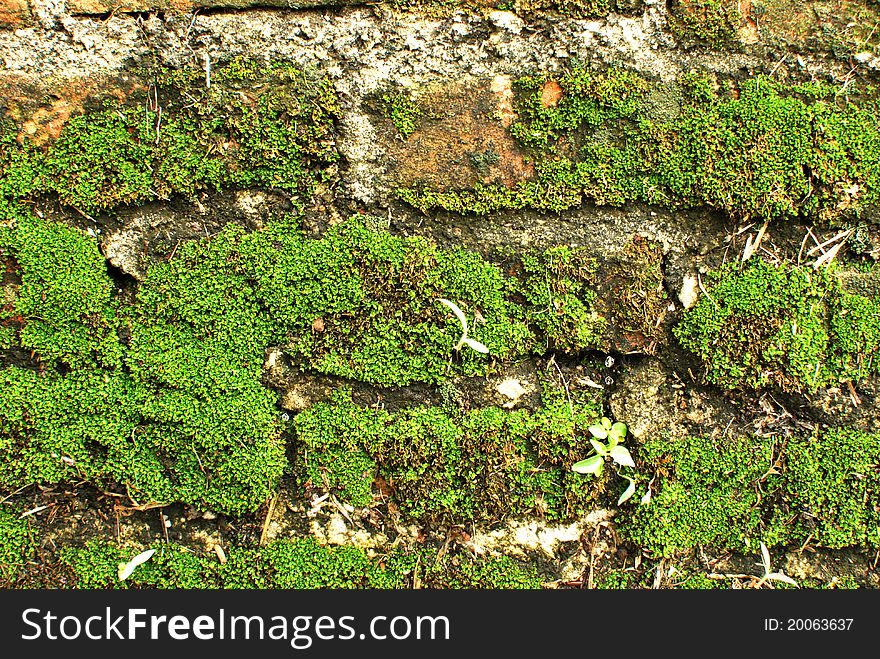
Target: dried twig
268,519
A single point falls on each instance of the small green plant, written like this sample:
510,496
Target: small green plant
772,576
614,434
464,340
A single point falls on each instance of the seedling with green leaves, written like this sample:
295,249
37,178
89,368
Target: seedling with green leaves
464,340
613,434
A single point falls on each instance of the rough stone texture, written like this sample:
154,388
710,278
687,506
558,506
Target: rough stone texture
367,50
459,66
78,7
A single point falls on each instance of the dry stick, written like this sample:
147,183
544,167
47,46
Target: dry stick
564,384
592,556
828,256
806,542
164,521
705,292
853,395
780,63
336,504
267,520
12,494
34,511
752,246
842,234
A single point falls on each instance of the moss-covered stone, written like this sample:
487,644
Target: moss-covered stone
252,125
578,300
792,327
163,394
440,466
713,22
293,563
832,490
707,495
66,295
403,112
734,494
764,149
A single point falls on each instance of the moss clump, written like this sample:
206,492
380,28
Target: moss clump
445,467
293,563
296,563
823,488
769,150
16,545
204,433
708,495
66,298
556,284
217,136
792,327
497,573
7,338
711,21
832,486
578,302
375,295
404,114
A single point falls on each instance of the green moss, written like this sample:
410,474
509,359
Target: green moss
498,573
16,545
700,582
711,21
95,565
163,395
770,150
792,327
346,472
629,579
222,301
708,495
577,301
832,484
404,114
556,283
439,466
267,125
66,295
294,563
7,338
172,416
821,488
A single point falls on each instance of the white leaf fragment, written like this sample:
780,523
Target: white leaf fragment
628,492
125,569
458,312
476,345
621,456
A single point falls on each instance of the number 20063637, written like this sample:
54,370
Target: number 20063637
808,624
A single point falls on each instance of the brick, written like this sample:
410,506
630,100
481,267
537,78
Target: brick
91,7
14,13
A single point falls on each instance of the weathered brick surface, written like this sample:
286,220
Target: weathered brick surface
463,139
14,13
88,7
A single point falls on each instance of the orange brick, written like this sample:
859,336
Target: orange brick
110,6
14,13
